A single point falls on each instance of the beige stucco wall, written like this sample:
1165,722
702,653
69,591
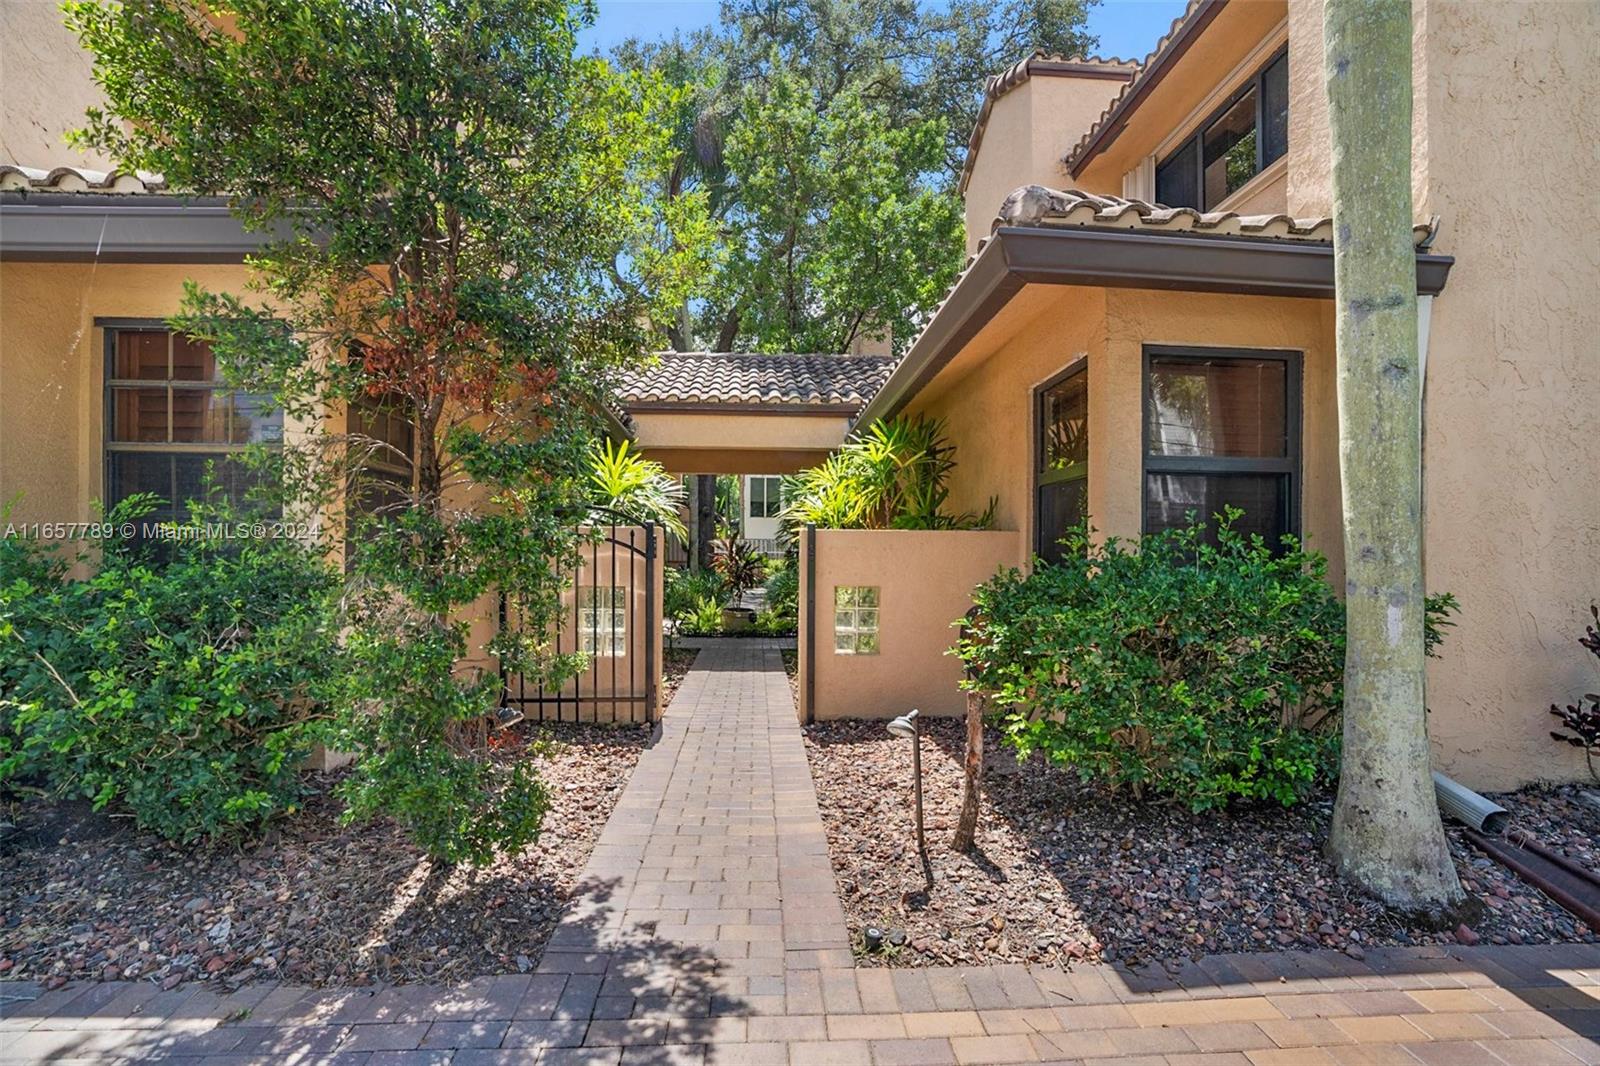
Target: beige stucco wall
698,442
925,581
1029,130
47,87
987,402
52,370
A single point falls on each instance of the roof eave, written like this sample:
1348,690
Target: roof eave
107,228
1151,74
1017,256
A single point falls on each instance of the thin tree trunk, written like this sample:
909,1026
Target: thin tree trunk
705,509
972,770
1386,835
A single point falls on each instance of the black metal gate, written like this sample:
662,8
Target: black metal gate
611,613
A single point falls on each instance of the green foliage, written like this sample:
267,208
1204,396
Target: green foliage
462,234
1171,667
685,589
783,589
639,489
826,136
895,476
740,565
187,694
705,619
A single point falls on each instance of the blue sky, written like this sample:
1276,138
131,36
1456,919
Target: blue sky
1126,28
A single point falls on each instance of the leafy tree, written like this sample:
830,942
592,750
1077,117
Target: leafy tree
827,136
462,238
1386,835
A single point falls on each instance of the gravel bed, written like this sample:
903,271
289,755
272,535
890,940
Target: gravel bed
1066,871
86,897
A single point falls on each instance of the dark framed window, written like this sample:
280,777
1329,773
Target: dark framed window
1221,429
1236,142
1061,476
169,415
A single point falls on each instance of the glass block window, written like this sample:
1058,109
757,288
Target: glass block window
855,620
602,621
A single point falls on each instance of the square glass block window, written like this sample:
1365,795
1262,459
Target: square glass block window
602,621
855,620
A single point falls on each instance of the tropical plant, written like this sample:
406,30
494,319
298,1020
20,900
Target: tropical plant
741,566
1581,718
625,482
894,476
783,588
459,229
684,589
705,620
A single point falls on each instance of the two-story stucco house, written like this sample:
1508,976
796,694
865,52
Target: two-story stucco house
1147,329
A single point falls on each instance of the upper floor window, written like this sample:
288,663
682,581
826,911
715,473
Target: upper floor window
169,415
1236,142
765,497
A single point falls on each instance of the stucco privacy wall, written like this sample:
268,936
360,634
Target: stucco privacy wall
988,403
52,371
924,580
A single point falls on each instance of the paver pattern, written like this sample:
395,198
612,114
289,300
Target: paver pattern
709,930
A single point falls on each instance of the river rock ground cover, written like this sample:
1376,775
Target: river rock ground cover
1067,872
84,896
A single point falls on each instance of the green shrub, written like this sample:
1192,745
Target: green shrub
187,693
1170,667
684,589
783,591
705,620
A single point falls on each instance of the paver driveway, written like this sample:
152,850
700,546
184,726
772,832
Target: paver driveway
708,929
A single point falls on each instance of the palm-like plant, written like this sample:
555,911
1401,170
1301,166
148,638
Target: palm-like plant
741,566
639,489
895,476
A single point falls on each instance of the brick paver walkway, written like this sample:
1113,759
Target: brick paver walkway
708,930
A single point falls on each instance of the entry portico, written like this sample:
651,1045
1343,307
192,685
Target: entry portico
747,412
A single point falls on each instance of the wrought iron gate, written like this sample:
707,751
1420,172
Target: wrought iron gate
611,612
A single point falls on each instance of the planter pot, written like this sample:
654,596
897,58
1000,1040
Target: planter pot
737,618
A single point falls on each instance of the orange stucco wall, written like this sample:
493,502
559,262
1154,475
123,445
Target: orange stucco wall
925,581
987,401
52,372
1025,138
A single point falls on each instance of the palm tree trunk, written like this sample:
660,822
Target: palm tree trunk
1386,835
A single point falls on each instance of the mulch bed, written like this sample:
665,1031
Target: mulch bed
86,897
1066,871
674,670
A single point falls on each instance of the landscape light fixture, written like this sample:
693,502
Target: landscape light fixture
906,727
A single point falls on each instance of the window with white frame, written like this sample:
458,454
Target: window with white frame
855,620
602,621
765,497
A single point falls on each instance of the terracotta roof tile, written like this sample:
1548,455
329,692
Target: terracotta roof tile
1035,205
76,179
753,378
1000,84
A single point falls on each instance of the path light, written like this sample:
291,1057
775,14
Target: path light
906,727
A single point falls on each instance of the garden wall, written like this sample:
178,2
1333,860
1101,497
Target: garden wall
882,653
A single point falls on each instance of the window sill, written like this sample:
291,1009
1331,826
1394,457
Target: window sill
1269,174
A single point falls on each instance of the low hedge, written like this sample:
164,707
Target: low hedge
1176,666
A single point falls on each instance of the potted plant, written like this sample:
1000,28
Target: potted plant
742,567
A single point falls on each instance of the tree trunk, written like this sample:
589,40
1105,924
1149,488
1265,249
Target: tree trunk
972,769
705,529
1386,836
